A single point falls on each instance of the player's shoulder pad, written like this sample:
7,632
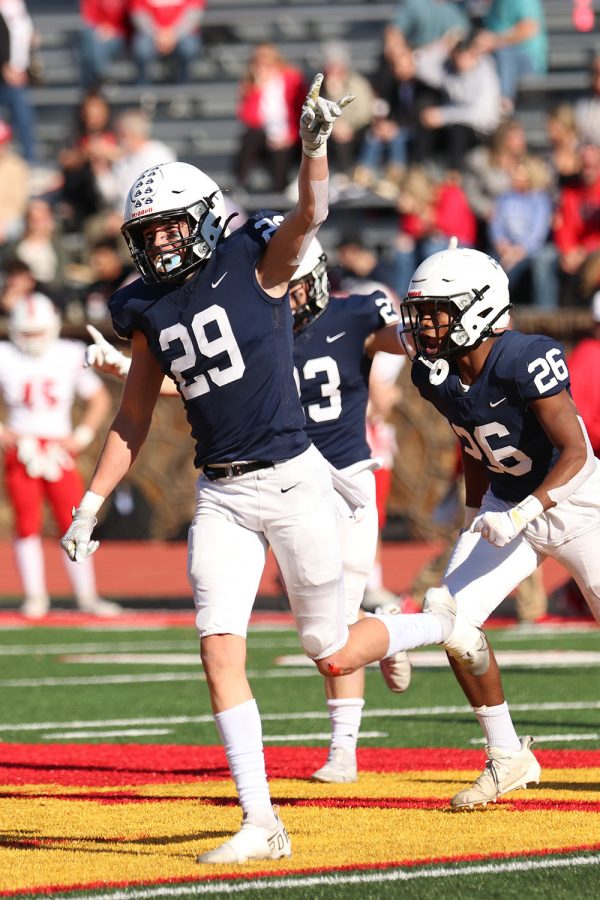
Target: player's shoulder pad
128,304
534,362
261,227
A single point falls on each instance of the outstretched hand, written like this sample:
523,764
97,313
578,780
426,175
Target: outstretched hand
318,116
77,541
103,356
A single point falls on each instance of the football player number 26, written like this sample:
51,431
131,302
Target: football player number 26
225,342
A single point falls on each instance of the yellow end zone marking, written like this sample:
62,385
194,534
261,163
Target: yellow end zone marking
88,842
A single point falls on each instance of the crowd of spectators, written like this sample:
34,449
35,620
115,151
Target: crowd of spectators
434,131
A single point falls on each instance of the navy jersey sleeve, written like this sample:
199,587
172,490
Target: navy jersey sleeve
261,227
373,311
127,306
540,369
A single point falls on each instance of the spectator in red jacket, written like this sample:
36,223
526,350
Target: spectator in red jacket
577,229
166,28
271,96
584,368
104,36
430,214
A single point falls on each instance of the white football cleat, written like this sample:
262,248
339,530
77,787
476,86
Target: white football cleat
396,669
505,771
251,842
378,597
340,768
35,607
465,643
98,607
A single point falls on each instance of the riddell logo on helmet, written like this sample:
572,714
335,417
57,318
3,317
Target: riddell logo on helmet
415,293
141,212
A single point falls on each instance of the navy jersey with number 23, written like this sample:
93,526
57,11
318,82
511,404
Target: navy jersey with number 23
333,373
228,346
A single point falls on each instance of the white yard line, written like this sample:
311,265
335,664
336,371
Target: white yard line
146,678
313,715
271,885
92,735
254,642
319,736
563,738
436,659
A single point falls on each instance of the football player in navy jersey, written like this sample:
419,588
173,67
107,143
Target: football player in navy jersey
211,311
335,339
532,481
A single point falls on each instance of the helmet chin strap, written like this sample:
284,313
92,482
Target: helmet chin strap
439,370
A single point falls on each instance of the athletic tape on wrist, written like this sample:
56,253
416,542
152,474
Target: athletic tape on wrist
91,502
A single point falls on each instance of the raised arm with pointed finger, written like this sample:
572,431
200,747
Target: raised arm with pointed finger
291,240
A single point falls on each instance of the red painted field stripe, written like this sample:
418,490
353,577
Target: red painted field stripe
119,764
321,870
531,804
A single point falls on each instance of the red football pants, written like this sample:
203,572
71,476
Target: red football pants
26,495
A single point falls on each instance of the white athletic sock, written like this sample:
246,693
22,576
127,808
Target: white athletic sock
412,630
497,726
241,734
30,563
82,578
345,716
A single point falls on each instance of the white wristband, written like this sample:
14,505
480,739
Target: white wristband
314,152
91,502
83,436
526,511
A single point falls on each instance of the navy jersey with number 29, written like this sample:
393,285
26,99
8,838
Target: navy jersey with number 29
492,418
229,348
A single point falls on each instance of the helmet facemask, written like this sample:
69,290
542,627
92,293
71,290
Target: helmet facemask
196,233
471,320
179,196
471,289
316,286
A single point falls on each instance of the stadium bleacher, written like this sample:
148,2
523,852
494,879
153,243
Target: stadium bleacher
198,119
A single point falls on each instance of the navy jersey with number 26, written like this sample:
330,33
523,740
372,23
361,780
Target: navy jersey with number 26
333,373
492,418
229,348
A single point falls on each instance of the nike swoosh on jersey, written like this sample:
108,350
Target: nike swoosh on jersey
498,402
215,284
331,338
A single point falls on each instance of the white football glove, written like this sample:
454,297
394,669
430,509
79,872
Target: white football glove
76,542
318,116
103,356
500,528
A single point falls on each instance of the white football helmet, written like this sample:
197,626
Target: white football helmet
34,324
312,271
472,287
174,193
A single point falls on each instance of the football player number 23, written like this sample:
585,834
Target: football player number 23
330,388
225,342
